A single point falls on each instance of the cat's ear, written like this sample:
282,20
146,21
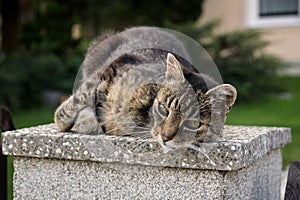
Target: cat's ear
174,69
224,93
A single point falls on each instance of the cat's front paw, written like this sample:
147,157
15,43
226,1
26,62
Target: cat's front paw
87,123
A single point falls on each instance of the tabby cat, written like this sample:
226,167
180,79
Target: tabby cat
132,86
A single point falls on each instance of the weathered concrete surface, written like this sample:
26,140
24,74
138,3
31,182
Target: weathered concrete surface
36,178
245,163
239,147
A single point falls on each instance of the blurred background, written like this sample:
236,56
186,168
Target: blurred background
255,44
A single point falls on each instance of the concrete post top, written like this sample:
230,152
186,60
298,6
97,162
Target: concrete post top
237,148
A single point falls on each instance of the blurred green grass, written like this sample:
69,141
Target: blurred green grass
34,117
279,111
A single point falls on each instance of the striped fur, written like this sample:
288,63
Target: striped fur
146,93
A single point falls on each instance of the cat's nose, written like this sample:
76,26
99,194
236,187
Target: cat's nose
165,136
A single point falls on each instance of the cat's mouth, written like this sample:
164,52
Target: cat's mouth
171,146
167,146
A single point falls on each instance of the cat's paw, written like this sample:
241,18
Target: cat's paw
87,123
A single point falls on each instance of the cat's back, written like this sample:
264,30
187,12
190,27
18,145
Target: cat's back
103,52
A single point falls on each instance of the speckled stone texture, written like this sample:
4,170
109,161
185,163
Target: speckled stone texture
60,179
245,163
237,148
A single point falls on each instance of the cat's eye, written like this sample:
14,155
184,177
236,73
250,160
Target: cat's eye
162,110
192,124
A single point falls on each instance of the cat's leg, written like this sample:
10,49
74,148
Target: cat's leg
67,113
81,108
86,122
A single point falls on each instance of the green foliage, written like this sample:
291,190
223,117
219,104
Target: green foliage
28,74
49,59
203,34
280,112
51,28
241,59
119,14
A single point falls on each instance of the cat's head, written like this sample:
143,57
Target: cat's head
183,115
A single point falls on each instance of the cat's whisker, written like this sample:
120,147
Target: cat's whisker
138,146
202,151
140,134
138,131
126,121
140,127
130,126
146,125
133,125
111,131
115,129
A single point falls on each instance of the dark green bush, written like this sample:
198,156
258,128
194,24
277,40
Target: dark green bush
239,55
24,76
241,59
48,60
50,57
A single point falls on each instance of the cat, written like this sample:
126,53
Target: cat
132,86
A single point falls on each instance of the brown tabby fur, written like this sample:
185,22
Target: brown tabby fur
145,92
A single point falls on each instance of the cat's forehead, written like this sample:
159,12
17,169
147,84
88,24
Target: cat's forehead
178,90
186,99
